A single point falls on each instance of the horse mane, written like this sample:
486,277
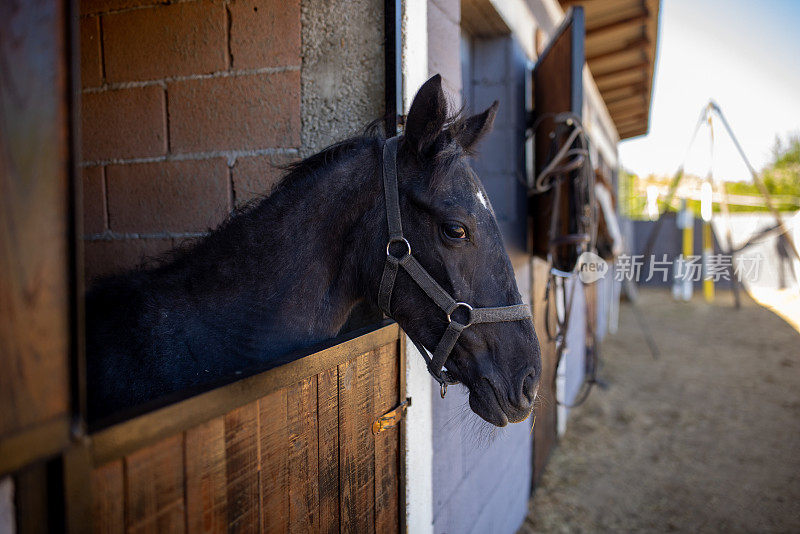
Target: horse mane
372,132
296,175
446,154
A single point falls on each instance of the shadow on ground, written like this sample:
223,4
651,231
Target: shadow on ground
704,439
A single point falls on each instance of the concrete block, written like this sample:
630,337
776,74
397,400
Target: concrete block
91,63
236,112
265,33
123,124
94,201
168,196
165,40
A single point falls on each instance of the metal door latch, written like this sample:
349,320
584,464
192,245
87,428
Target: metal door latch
391,418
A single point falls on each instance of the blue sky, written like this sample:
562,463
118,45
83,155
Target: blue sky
743,54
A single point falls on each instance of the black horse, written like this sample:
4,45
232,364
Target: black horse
285,274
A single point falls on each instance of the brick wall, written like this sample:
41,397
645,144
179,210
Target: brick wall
186,108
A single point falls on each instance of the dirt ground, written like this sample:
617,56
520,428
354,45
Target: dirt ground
704,439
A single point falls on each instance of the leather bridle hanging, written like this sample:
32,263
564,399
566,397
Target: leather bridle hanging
570,162
436,363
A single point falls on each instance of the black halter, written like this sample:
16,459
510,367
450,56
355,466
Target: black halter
425,281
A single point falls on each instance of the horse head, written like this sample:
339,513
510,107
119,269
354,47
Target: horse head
449,224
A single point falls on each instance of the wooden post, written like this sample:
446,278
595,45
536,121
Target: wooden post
77,487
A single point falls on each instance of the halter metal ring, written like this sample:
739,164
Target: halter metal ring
460,305
398,240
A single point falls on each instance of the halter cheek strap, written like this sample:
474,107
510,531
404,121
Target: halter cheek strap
425,281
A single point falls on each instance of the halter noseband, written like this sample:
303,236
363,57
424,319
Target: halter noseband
425,281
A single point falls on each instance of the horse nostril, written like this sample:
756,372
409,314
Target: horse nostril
530,385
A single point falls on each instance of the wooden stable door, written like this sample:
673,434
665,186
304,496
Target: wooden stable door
289,449
558,88
302,458
36,233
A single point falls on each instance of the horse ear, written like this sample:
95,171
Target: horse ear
476,127
427,115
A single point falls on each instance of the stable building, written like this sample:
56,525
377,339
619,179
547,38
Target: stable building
133,126
487,50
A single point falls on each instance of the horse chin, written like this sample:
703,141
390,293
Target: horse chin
486,405
488,409
519,417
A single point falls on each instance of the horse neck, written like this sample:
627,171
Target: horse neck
298,260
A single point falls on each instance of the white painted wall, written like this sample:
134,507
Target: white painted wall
419,444
431,45
521,22
570,375
418,454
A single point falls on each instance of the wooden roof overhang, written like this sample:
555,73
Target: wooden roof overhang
621,38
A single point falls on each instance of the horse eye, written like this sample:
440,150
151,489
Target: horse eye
454,231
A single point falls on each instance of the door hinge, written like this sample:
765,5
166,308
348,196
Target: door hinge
391,418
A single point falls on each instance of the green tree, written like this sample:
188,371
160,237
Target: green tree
782,174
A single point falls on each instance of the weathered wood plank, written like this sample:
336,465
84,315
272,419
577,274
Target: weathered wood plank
116,441
76,473
34,330
303,456
274,437
328,429
356,445
242,460
154,488
273,465
31,499
32,443
387,460
206,478
557,89
108,499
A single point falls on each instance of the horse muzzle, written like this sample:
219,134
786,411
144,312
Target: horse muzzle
494,401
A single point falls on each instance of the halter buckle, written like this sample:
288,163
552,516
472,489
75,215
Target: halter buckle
398,240
469,313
